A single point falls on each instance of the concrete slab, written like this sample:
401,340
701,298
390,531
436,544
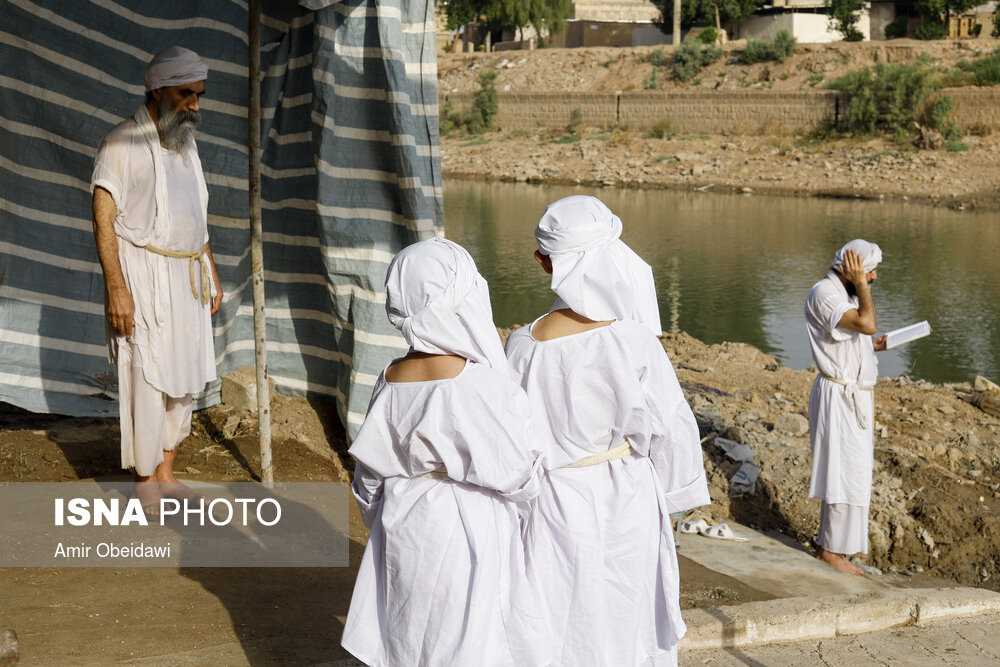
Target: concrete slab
826,616
815,602
772,566
967,642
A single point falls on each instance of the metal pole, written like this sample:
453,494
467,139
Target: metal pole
257,252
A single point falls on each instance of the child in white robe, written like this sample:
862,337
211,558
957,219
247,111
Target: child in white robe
620,442
443,472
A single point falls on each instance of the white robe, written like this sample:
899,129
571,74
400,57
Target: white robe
599,539
442,579
843,451
172,336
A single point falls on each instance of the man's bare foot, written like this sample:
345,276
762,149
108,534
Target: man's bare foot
148,492
838,562
170,486
179,491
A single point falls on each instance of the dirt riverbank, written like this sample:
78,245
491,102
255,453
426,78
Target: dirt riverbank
777,163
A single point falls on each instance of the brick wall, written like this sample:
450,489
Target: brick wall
708,111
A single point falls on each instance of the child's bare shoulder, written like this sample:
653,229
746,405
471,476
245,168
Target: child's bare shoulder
425,368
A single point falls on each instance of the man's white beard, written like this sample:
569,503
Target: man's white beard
176,127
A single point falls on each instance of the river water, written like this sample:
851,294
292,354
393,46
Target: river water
738,267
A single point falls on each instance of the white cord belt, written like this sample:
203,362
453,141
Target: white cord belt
619,452
853,391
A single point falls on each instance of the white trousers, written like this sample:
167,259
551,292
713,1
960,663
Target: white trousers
843,528
151,421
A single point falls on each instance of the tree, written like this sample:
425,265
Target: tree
545,16
706,12
937,13
946,8
845,16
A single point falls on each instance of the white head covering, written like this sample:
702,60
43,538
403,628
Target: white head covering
593,272
870,253
174,66
435,296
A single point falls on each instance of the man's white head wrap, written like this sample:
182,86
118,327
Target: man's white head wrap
435,296
870,254
593,272
174,66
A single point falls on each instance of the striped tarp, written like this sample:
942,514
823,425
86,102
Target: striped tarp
350,174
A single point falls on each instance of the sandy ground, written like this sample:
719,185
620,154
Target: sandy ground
161,616
934,512
785,164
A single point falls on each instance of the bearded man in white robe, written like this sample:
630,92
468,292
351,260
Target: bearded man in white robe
840,320
150,206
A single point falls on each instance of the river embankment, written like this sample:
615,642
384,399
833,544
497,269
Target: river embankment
780,159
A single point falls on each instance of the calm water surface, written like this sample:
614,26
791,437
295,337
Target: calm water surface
738,268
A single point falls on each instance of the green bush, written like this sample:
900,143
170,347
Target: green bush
575,120
996,20
984,71
484,102
931,30
708,36
449,119
937,112
956,147
662,129
692,56
756,51
783,45
652,82
477,118
892,99
658,57
898,27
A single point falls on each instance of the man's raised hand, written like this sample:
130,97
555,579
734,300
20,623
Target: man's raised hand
853,268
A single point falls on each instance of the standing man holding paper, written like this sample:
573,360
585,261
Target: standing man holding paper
840,320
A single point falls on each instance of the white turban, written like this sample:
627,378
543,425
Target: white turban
174,66
436,297
870,254
593,272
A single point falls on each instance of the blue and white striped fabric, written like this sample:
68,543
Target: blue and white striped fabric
350,174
